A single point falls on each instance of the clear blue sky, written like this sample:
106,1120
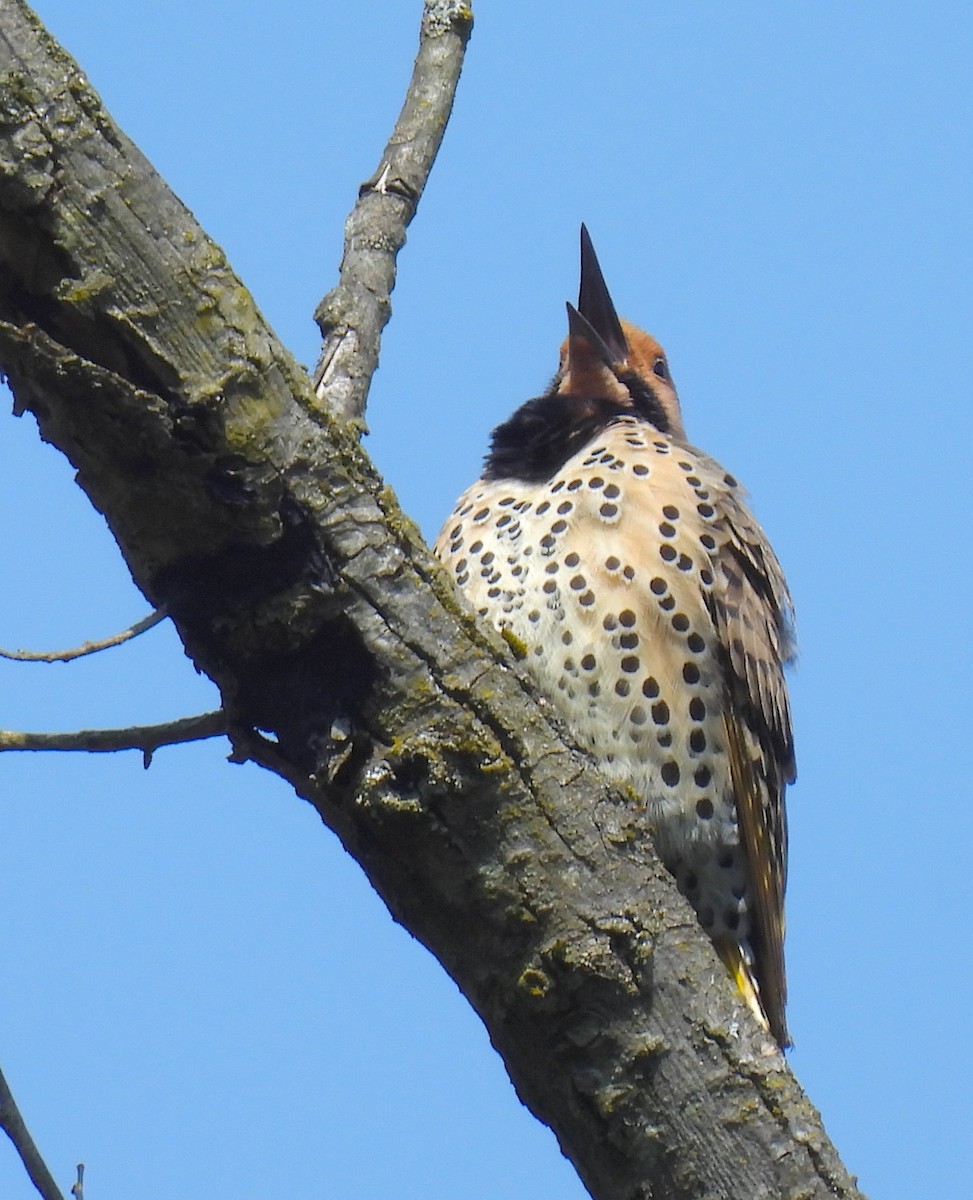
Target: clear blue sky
201,997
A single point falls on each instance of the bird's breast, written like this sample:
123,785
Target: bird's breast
603,571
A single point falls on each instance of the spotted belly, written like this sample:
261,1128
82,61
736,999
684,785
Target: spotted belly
603,573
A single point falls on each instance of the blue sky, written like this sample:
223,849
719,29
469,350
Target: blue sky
201,996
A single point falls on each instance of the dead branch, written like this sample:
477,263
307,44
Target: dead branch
117,639
353,315
13,1125
146,738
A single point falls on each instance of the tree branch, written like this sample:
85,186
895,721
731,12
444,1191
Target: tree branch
298,585
353,315
147,738
117,639
13,1125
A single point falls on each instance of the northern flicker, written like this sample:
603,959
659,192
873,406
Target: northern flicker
656,619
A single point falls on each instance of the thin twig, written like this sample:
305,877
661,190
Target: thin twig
87,647
353,315
147,738
13,1125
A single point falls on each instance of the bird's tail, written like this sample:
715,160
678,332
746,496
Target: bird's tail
737,961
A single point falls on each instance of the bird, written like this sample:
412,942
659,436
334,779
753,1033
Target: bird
653,615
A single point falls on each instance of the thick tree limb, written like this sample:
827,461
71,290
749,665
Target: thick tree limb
297,584
353,315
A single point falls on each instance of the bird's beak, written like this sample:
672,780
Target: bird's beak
595,308
585,342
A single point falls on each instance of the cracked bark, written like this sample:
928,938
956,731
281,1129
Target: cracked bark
347,665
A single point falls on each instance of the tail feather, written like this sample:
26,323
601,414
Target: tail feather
737,962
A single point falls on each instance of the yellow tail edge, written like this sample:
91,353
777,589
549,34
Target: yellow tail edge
737,962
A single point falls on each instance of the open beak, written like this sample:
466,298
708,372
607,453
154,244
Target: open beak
595,309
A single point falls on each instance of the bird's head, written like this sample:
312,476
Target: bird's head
605,358
609,369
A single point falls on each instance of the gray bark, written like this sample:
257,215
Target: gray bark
348,666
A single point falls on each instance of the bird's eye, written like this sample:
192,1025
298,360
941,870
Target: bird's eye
659,368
